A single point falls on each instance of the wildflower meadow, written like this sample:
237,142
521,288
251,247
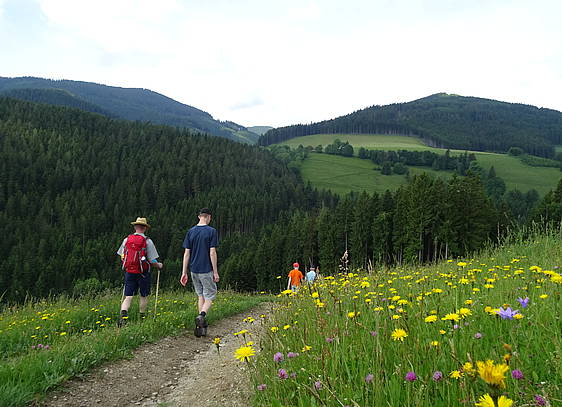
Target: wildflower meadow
44,343
481,332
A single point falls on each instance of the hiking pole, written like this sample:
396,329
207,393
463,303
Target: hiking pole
157,286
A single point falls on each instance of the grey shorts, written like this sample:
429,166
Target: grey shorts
204,285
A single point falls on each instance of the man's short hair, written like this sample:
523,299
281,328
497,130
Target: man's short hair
205,212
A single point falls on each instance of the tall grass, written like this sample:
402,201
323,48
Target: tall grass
43,344
339,334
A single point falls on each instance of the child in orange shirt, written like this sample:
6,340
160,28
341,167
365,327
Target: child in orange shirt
295,277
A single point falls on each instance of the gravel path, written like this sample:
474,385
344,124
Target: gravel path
181,371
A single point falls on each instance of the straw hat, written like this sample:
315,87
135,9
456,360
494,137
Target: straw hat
141,221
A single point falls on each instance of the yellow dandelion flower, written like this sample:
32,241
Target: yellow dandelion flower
244,353
487,401
62,333
491,373
469,302
464,312
351,314
442,332
468,368
217,340
543,296
451,317
431,318
518,316
399,334
435,343
315,295
456,374
306,348
274,329
285,327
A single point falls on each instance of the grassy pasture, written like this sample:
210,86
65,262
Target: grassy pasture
332,173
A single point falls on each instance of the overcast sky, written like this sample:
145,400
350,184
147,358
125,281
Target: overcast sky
281,62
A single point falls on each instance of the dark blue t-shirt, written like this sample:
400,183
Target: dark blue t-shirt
199,240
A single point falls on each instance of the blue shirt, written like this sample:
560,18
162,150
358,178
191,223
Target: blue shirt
199,240
310,276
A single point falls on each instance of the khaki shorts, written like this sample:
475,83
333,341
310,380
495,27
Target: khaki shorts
204,285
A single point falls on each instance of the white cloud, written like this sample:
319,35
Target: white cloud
279,63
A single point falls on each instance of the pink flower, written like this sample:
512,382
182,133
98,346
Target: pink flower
282,373
369,378
318,385
262,387
411,376
278,357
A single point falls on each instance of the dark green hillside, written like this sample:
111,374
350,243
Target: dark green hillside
126,103
70,183
449,121
57,97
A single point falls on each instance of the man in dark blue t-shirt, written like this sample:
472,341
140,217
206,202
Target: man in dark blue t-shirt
200,257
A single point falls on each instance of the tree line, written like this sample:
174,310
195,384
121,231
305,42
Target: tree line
428,219
71,182
446,121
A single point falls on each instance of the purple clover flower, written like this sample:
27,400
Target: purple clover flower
318,385
278,357
477,335
329,340
507,313
262,387
369,378
40,346
456,326
291,355
437,375
282,373
411,377
540,400
373,333
517,374
523,301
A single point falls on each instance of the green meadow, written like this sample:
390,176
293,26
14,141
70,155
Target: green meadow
42,344
481,331
342,174
345,174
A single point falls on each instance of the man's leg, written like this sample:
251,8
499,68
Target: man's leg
126,303
200,303
143,303
205,306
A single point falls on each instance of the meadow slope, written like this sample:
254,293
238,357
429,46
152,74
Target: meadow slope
343,175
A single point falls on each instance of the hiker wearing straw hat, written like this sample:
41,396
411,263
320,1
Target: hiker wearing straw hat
138,254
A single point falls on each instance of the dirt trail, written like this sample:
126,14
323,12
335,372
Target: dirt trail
181,371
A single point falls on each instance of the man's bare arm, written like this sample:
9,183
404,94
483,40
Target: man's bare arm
214,262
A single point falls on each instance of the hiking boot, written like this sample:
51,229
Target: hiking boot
122,321
200,326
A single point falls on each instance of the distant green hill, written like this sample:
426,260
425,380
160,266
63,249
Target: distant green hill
126,103
448,121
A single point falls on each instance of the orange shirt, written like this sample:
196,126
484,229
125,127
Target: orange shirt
296,276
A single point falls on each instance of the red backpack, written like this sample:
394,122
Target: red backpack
134,260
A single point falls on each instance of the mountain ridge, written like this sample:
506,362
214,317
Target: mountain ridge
137,104
446,120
